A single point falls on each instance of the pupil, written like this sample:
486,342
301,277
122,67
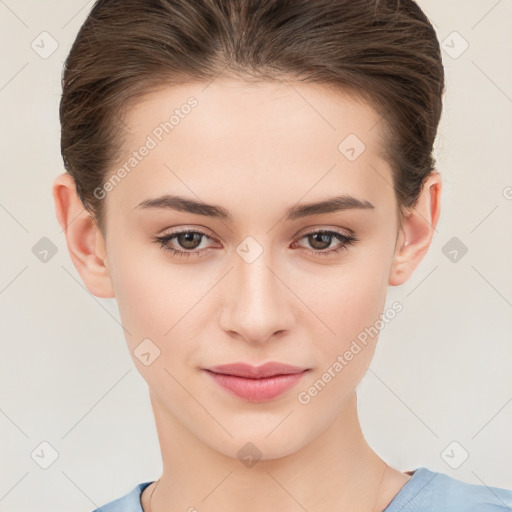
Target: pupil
321,238
189,240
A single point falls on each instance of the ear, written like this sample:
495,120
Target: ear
417,231
85,241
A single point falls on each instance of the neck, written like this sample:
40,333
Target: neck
337,471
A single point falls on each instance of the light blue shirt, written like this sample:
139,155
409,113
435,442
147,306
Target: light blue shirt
425,491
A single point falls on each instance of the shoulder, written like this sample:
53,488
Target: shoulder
128,503
432,491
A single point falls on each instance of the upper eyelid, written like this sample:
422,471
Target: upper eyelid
296,238
315,229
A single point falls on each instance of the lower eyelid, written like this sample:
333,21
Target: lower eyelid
343,239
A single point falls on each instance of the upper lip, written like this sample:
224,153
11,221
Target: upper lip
256,372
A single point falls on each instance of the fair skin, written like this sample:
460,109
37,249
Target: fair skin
256,150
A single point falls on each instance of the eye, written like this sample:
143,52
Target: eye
322,239
190,239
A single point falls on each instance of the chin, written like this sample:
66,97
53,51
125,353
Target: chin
254,446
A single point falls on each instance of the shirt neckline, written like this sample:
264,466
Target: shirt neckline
420,477
404,495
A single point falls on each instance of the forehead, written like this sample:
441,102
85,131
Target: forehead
235,139
233,107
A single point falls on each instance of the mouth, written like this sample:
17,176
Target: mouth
271,369
256,383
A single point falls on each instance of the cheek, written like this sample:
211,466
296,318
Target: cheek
139,300
349,299
352,307
159,301
150,309
140,278
144,296
350,296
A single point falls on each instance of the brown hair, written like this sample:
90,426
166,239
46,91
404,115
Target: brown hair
384,51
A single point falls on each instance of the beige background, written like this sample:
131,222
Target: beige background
442,368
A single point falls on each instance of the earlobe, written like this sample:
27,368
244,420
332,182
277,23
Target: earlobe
417,231
84,239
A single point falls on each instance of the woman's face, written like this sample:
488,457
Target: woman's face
257,288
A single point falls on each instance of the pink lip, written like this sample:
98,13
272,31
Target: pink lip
257,383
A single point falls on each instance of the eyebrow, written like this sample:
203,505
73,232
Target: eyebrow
179,203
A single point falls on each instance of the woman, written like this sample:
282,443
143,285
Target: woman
246,178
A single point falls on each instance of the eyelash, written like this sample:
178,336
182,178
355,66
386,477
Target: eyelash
347,240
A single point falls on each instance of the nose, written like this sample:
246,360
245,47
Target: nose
260,304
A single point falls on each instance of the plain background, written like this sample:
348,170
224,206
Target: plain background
440,386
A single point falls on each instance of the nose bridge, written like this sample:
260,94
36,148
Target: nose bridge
259,306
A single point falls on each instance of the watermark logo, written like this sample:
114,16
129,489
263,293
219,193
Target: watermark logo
44,249
249,249
455,455
146,352
249,454
44,455
44,45
351,147
454,249
454,45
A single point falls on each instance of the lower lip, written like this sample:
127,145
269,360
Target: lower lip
257,390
